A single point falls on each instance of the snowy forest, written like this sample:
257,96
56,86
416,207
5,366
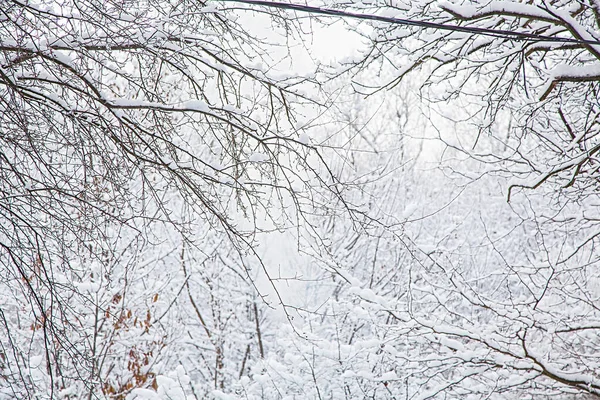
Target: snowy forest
341,199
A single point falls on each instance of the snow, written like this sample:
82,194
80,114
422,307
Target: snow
219,395
211,7
67,392
301,123
88,287
63,57
196,105
165,383
354,282
127,17
143,394
508,7
388,376
257,65
232,109
389,13
361,313
369,296
258,157
36,361
303,138
409,210
566,71
348,374
133,103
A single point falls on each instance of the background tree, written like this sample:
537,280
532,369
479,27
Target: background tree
499,299
492,299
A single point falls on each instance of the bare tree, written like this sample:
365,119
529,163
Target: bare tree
116,119
533,64
505,303
143,146
479,298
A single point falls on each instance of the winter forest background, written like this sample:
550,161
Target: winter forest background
237,201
